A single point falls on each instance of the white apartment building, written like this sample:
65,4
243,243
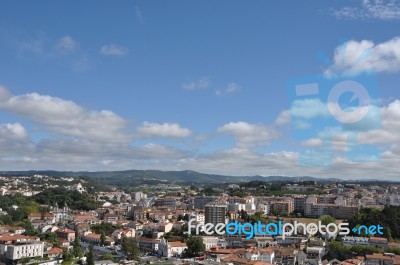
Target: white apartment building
355,240
234,207
210,241
20,250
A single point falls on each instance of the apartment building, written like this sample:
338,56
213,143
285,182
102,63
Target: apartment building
215,213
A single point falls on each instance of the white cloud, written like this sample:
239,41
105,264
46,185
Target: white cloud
249,135
230,88
35,45
283,118
313,142
4,93
370,9
139,15
389,133
357,56
67,118
66,45
170,130
203,82
114,50
12,131
309,108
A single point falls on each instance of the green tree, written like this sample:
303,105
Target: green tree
107,256
89,256
103,238
131,248
25,260
327,219
76,248
195,246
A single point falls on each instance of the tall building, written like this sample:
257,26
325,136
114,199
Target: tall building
201,201
137,196
299,204
215,213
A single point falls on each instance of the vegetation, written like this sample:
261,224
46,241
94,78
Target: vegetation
131,248
89,256
76,248
327,219
107,256
195,246
62,196
104,228
388,218
342,252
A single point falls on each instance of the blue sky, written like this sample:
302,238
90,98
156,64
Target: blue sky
173,85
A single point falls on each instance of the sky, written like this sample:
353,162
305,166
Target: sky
199,85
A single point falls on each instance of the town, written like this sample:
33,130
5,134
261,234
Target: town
75,220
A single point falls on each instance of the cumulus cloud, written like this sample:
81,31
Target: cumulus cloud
309,108
67,118
370,9
12,131
203,82
4,93
283,118
66,45
365,55
389,133
169,130
229,89
249,135
114,50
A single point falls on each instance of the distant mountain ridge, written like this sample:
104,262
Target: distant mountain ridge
185,176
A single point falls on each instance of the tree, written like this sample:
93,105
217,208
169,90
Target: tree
107,256
25,260
327,219
103,238
67,256
76,248
195,246
89,256
131,248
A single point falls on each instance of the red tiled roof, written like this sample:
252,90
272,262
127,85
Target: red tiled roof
177,244
55,251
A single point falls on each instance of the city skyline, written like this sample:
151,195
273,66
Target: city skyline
201,86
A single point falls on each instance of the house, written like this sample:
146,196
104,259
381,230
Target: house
121,233
90,219
93,238
66,233
148,245
64,243
210,241
47,218
111,218
12,229
171,249
379,242
55,253
135,225
382,259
